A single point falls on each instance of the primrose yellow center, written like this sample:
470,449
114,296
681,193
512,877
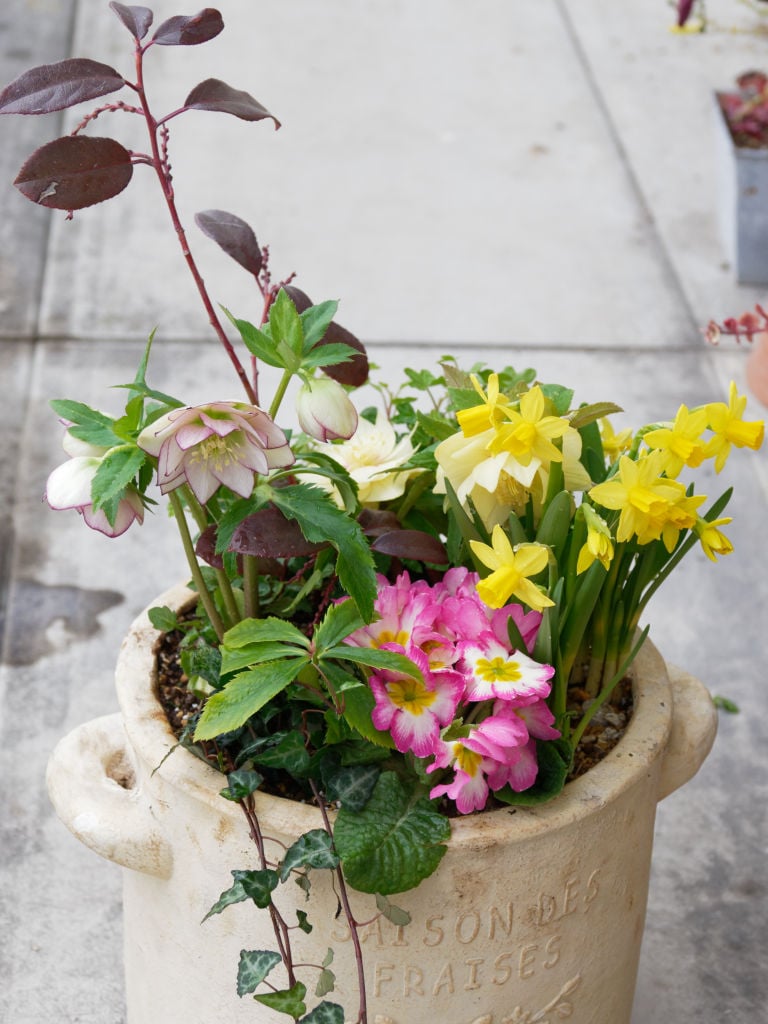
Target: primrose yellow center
498,670
466,760
387,636
411,696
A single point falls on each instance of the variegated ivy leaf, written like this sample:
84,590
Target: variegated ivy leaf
254,966
325,1013
289,1000
314,849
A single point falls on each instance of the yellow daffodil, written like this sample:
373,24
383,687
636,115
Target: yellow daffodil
642,495
727,424
614,444
681,441
511,569
667,524
529,433
599,542
489,413
713,541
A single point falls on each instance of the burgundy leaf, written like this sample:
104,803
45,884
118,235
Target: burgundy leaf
233,235
213,94
267,533
189,31
415,544
136,19
206,549
74,172
52,87
355,372
375,521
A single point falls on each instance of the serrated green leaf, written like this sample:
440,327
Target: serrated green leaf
394,843
285,325
375,657
256,341
315,322
244,695
313,849
254,966
338,622
289,1000
396,915
255,654
202,660
352,785
325,1013
329,355
358,705
321,521
257,631
79,414
116,471
241,783
163,618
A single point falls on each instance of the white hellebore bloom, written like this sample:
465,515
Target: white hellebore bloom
373,457
69,486
325,411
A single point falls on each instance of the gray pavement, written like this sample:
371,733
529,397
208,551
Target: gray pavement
516,180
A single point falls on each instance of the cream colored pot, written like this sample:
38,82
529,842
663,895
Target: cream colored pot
534,915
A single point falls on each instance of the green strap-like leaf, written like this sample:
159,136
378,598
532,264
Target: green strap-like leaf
244,695
394,843
254,966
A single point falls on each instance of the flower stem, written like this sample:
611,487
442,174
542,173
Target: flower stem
189,550
251,586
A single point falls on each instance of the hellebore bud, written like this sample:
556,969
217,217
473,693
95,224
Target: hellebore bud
325,411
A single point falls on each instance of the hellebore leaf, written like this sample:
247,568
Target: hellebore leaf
254,966
189,31
52,87
394,843
314,849
246,694
213,94
116,471
136,19
353,373
415,544
232,235
74,172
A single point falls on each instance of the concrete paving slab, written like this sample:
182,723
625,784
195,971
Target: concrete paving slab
32,32
436,169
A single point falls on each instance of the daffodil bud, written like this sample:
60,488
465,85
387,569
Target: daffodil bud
325,411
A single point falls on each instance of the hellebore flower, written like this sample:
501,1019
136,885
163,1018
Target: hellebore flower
69,486
325,411
209,445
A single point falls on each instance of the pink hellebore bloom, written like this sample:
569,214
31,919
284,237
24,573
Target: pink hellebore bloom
209,445
325,411
69,486
491,670
415,711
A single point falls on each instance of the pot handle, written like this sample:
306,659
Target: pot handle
694,725
92,785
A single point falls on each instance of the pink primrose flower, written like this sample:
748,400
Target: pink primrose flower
69,486
407,612
412,711
519,773
209,445
537,718
491,670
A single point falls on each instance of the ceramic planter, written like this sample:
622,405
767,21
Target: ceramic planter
742,204
533,915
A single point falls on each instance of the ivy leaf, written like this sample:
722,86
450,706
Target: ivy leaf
235,894
304,924
314,849
189,31
51,87
254,966
234,236
244,695
289,755
74,172
289,1000
258,885
399,917
352,785
136,19
394,843
324,1013
240,784
213,94
326,982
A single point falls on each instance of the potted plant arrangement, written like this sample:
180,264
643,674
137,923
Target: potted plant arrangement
357,775
742,156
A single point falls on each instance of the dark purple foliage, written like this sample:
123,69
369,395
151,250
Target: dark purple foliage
51,87
213,94
189,31
74,172
413,544
136,19
268,534
234,236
